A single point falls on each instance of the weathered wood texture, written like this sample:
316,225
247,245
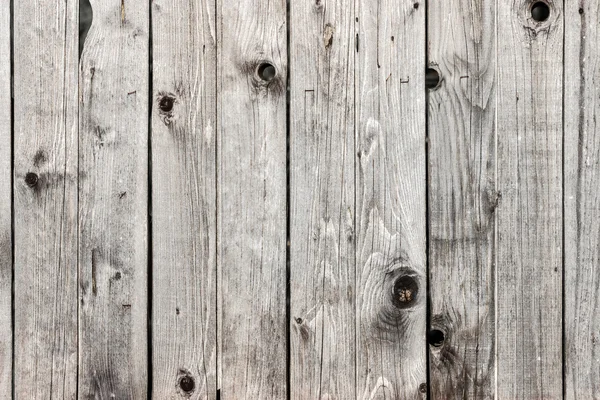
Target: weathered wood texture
322,237
529,214
45,199
390,218
582,207
252,199
113,197
184,199
462,197
6,256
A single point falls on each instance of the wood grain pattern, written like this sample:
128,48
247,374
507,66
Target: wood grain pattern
390,180
184,199
529,215
113,196
45,199
322,237
252,200
582,211
462,197
6,240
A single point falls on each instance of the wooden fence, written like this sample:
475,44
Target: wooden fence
261,199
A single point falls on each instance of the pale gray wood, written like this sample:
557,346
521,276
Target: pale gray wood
390,180
529,214
322,237
252,200
113,195
184,314
5,203
45,198
582,211
462,197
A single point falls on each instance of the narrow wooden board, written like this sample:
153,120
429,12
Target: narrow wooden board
6,240
391,185
184,314
529,214
582,211
462,198
322,160
45,198
113,195
252,199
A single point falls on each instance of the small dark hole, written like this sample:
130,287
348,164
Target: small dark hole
436,338
416,5
432,78
266,71
186,383
581,11
299,321
166,104
540,11
405,291
31,179
423,388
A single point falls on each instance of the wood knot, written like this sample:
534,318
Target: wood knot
166,103
187,384
436,338
31,179
405,291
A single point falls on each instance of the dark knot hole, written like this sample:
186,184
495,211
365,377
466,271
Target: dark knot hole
436,338
540,11
166,104
31,179
432,78
405,291
266,71
186,383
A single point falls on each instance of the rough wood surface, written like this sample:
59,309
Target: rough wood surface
45,199
113,197
184,199
462,198
322,237
6,252
390,180
582,203
529,214
252,199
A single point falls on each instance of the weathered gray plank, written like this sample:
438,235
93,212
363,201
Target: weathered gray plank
113,195
5,202
582,211
184,199
462,198
390,179
322,239
529,215
252,199
45,198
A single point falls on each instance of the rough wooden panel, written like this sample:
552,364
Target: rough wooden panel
184,199
5,202
113,195
390,173
45,198
252,199
322,245
582,203
529,214
462,199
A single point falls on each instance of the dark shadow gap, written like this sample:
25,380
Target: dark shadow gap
86,16
150,262
428,78
288,203
12,185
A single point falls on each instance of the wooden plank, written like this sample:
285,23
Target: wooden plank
582,211
529,215
45,198
390,173
462,198
322,245
184,200
252,198
6,240
113,195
